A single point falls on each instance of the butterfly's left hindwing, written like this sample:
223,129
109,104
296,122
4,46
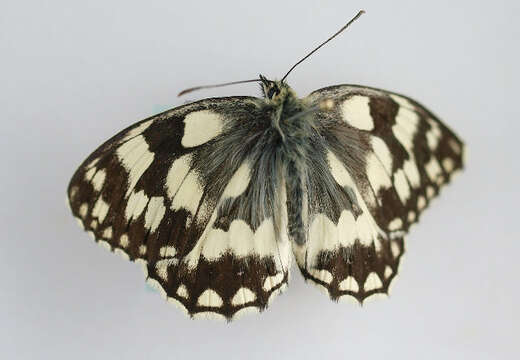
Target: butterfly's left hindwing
387,157
175,191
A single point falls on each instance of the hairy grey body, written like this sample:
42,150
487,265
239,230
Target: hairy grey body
299,149
295,128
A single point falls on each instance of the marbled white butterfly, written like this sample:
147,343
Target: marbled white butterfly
214,197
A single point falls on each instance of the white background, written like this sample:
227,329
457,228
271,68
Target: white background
73,73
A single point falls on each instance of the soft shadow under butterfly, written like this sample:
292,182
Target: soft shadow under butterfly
214,197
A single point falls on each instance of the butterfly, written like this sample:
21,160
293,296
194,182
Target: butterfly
217,196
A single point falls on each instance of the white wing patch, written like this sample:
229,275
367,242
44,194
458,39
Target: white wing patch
382,152
90,173
377,175
176,174
136,158
239,182
183,185
100,209
167,251
401,185
210,298
182,291
421,202
243,296
372,282
404,137
107,233
412,172
356,112
83,209
349,284
154,213
395,224
136,204
448,164
200,127
124,241
189,194
433,169
98,180
433,135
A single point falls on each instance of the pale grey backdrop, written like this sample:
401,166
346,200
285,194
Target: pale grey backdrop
72,74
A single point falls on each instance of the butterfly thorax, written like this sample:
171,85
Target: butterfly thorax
289,113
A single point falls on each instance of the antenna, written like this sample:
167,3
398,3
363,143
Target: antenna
361,12
216,85
262,79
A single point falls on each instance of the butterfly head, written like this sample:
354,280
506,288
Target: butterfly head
274,90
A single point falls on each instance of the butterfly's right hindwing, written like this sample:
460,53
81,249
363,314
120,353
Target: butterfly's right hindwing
175,192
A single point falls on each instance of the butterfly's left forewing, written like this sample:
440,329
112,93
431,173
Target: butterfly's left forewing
176,192
386,157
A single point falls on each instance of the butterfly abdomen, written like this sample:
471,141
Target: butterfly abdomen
297,131
294,202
